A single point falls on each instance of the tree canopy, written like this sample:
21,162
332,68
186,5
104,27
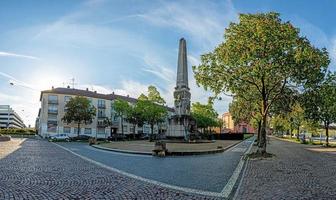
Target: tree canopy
263,54
79,110
320,103
205,115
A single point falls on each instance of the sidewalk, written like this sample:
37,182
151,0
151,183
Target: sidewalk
296,172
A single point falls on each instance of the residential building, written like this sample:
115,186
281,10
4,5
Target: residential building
9,118
49,120
232,127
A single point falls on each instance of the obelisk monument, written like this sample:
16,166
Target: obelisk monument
180,123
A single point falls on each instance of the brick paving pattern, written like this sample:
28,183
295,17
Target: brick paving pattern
41,170
295,173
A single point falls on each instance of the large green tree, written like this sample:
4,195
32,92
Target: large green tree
151,108
121,108
320,103
263,54
79,110
205,115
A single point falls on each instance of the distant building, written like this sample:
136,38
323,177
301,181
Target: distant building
49,121
231,126
9,118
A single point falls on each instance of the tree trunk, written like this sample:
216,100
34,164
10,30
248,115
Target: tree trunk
327,135
259,131
291,132
134,131
262,143
298,133
122,125
152,131
78,129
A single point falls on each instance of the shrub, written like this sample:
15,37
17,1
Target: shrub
17,131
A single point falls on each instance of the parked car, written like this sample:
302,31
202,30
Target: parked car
60,137
80,138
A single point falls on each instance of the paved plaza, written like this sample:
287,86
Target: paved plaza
296,172
37,169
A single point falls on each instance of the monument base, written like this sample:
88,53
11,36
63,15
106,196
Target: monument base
181,127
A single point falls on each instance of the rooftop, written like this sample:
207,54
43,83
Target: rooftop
93,94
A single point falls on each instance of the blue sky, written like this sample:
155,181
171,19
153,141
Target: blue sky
124,46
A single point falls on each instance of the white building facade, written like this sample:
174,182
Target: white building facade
49,120
9,118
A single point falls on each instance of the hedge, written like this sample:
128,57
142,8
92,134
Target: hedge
18,131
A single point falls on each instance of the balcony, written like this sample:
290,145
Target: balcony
102,124
52,101
101,116
115,124
101,106
52,111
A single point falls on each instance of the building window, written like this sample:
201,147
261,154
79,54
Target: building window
125,128
87,131
101,130
67,99
52,99
66,130
52,116
115,117
52,108
131,129
75,131
101,103
52,126
101,113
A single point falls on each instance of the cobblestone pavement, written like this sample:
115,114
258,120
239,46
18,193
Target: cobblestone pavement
295,173
209,172
41,170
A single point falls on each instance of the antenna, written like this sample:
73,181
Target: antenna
72,83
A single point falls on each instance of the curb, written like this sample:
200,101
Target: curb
227,190
121,151
211,151
173,153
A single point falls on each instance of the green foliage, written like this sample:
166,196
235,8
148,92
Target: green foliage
154,95
204,114
320,101
121,107
263,54
150,109
79,110
18,131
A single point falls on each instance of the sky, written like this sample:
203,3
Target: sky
123,46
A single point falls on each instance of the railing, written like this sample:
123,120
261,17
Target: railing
52,111
101,106
101,116
50,101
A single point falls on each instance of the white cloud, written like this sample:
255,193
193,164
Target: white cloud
202,22
8,54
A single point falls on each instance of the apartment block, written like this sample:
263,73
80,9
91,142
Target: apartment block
49,120
9,118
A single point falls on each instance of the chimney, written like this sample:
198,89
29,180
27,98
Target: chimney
127,95
68,86
113,93
95,91
52,87
87,89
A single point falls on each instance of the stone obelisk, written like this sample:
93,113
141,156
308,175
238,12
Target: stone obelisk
180,123
182,93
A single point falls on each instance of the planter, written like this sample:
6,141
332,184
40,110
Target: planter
5,138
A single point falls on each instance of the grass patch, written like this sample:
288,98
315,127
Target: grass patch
246,136
259,156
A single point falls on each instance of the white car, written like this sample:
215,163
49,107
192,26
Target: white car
60,137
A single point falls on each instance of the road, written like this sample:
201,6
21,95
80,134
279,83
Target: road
36,169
